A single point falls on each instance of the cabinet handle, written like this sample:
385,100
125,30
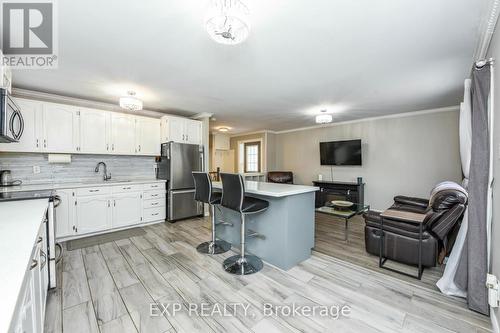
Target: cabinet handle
139,147
187,137
34,263
44,143
154,186
155,214
107,146
40,239
113,147
93,190
154,195
44,256
109,204
154,203
37,143
126,188
114,203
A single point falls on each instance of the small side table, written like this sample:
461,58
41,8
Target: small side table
414,218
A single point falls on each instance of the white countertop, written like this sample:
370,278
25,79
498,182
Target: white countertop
64,185
273,189
19,224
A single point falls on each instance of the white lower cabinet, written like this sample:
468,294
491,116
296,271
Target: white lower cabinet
97,209
127,209
30,313
93,214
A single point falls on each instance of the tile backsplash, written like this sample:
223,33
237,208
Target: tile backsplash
81,167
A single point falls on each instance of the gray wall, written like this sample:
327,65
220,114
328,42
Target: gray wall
81,167
494,52
404,155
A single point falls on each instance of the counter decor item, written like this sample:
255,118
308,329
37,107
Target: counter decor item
341,204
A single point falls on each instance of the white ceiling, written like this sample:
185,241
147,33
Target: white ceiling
360,58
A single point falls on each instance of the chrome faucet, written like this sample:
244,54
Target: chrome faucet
106,176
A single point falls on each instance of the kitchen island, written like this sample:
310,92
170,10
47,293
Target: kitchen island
285,229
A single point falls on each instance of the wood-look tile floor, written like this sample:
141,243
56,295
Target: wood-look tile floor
329,239
109,288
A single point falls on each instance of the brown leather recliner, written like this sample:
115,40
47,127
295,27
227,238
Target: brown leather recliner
282,177
443,217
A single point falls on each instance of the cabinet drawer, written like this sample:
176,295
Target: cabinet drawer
126,188
154,214
154,195
154,186
154,203
93,191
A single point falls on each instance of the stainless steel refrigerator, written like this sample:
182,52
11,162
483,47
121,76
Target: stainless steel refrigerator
177,162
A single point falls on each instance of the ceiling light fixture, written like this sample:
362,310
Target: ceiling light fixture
227,22
223,129
130,102
324,118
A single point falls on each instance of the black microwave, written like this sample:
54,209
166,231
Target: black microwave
11,119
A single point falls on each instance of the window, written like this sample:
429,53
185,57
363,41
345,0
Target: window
252,156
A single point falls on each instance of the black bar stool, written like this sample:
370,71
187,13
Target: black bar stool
204,193
233,197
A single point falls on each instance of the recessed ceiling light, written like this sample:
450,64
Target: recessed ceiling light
130,102
324,118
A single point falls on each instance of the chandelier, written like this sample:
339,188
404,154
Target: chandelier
324,118
227,22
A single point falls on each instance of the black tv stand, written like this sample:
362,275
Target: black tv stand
336,190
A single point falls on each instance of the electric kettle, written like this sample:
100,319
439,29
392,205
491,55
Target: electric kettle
6,179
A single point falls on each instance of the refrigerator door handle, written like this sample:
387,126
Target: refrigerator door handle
182,191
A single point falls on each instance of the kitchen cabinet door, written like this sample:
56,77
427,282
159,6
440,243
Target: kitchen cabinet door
193,132
176,129
122,134
93,131
148,136
93,214
30,139
60,128
65,213
127,209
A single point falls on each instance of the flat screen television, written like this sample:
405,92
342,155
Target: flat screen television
340,152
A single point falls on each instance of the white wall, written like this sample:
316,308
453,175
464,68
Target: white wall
494,52
404,155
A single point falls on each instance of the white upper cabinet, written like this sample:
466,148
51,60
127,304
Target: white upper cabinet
181,130
60,128
193,131
66,129
147,136
122,134
30,139
94,125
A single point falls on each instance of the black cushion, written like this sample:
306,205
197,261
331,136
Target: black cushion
253,205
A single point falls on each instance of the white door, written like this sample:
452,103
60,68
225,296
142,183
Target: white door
65,213
127,209
30,139
176,129
60,128
148,136
193,132
122,134
93,126
93,214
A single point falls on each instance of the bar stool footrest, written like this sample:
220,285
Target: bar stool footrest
255,234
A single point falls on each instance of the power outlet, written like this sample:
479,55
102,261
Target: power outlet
36,169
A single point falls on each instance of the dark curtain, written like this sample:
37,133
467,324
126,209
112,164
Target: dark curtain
472,269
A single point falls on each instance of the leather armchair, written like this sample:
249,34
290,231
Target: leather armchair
443,216
282,177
